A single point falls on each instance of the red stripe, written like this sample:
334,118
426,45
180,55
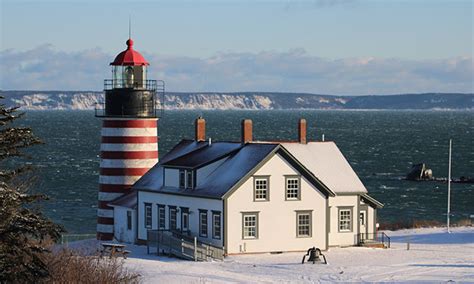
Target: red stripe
117,188
129,154
130,123
129,139
123,171
103,205
105,236
105,221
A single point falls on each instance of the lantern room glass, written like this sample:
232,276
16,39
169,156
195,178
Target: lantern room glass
129,76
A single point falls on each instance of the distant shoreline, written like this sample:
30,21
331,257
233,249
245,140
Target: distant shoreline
74,100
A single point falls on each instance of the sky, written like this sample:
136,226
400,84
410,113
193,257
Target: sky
340,47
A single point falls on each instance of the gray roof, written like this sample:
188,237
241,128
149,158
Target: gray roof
371,201
326,161
128,200
239,162
203,155
235,166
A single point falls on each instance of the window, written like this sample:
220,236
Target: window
172,218
189,179
345,220
161,216
184,219
292,188
186,179
250,225
261,189
148,215
203,223
182,178
362,218
303,224
129,220
216,224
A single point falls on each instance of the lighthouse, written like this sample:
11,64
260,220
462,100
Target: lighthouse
129,136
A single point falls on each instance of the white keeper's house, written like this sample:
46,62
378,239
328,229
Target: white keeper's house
250,196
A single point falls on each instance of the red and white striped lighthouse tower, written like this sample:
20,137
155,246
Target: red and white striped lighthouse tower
129,146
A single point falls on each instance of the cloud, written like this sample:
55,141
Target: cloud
44,68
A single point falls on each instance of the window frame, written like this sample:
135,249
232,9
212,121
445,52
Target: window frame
214,227
172,226
310,224
350,221
250,214
184,212
160,217
267,198
292,177
148,220
203,212
129,220
189,179
182,178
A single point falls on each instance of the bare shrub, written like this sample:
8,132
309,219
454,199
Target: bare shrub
71,266
406,224
426,224
463,223
397,225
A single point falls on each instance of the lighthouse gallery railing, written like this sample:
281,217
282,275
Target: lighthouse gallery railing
156,87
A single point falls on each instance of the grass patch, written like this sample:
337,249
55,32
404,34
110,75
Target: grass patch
410,224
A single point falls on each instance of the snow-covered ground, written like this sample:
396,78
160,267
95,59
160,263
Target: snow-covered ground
434,256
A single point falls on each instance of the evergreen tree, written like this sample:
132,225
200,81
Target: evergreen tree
23,228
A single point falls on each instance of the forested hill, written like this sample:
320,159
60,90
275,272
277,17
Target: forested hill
82,100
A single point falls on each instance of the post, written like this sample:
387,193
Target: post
449,185
195,249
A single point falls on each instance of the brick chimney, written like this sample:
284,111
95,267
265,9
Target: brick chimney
200,129
302,131
246,131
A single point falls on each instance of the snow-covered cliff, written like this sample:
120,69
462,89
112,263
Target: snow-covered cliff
49,100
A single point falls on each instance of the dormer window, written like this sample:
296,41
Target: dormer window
189,179
182,178
186,179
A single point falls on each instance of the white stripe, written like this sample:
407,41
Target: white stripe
126,180
108,196
105,213
128,163
144,131
129,147
101,228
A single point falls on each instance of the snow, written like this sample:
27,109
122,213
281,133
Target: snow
434,256
328,164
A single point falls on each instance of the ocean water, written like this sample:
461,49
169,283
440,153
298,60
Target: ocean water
380,145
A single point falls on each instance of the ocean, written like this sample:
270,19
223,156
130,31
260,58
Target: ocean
381,146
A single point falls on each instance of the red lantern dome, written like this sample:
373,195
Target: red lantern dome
129,57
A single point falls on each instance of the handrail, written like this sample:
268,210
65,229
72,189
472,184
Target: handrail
150,85
378,237
182,245
155,87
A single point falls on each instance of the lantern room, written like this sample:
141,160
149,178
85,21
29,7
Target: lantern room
129,68
129,93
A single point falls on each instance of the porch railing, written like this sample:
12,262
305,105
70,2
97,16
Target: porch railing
181,245
373,238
